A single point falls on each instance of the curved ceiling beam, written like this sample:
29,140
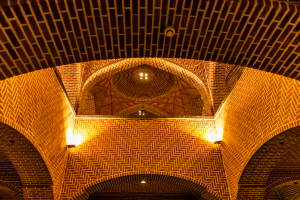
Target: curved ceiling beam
162,64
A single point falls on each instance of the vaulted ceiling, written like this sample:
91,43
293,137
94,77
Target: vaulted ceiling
263,34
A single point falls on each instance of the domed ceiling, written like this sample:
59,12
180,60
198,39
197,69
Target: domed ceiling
144,87
143,83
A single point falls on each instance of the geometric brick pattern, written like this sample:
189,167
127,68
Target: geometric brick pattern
114,148
197,106
261,34
285,191
103,99
260,106
30,167
158,83
9,177
258,169
36,107
71,77
162,64
156,186
10,182
209,73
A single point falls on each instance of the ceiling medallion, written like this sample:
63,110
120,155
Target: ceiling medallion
169,31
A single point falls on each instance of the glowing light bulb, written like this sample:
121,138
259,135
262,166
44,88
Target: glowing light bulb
143,181
146,77
146,74
73,138
141,74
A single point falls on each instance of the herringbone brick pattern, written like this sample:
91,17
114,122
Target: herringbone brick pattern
118,147
35,105
71,77
261,106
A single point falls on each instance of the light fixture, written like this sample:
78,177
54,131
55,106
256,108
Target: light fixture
169,31
218,142
143,75
142,112
143,182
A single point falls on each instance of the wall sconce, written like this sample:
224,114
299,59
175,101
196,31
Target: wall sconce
218,142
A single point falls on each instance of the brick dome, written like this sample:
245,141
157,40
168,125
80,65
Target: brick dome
143,83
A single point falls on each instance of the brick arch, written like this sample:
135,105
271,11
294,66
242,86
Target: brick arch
252,182
136,108
262,34
18,193
162,64
278,183
30,165
199,189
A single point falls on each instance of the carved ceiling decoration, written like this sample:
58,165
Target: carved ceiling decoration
104,99
263,34
130,84
151,189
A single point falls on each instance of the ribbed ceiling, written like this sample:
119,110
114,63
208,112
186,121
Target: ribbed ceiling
262,34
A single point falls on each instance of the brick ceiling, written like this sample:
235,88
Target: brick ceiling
150,190
105,99
262,34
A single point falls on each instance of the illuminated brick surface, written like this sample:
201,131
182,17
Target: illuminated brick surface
119,147
35,106
261,106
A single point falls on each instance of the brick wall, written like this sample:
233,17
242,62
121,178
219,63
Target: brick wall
261,106
118,147
35,105
71,76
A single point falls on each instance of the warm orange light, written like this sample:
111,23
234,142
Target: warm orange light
215,135
74,138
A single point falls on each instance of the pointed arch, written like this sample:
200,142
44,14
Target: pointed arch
155,62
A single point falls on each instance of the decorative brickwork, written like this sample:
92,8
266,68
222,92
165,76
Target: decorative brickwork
30,167
161,184
71,78
103,99
143,106
263,34
114,148
8,173
162,64
35,106
9,192
261,106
